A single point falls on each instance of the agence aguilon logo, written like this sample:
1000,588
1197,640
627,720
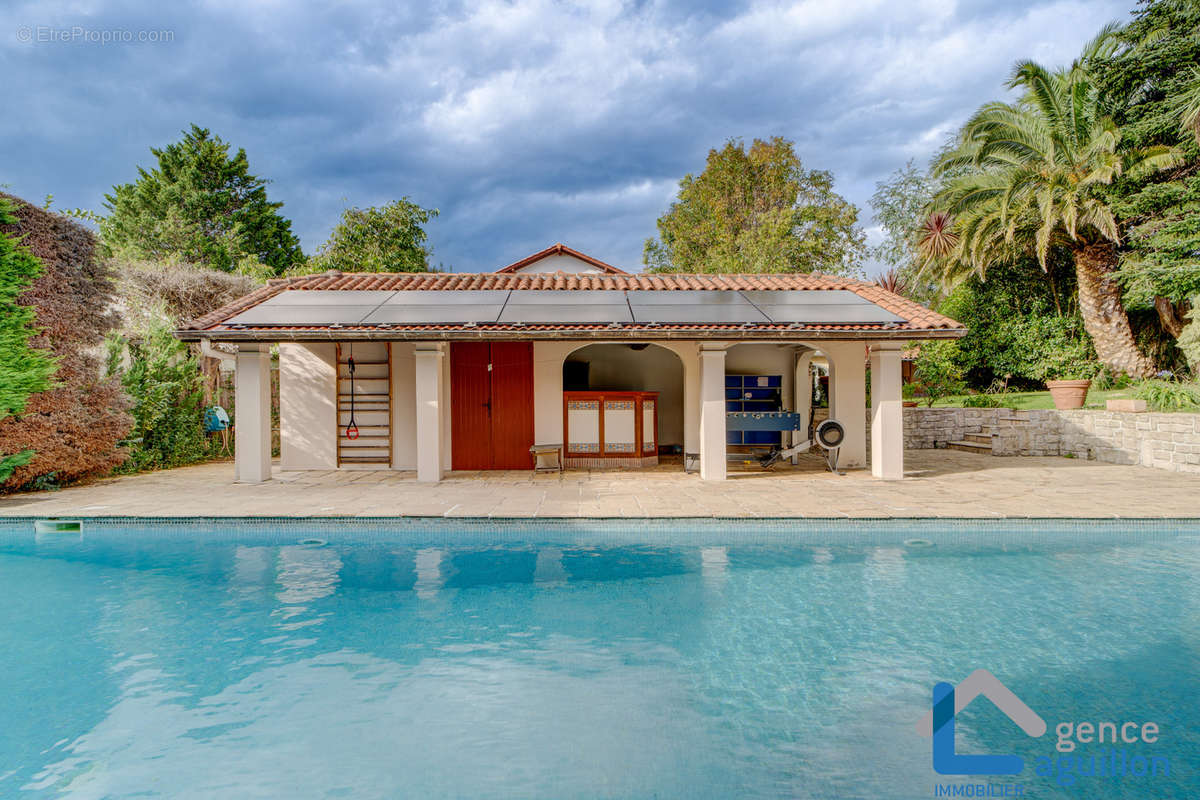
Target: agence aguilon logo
949,700
1065,768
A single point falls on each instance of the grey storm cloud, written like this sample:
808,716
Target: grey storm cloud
525,122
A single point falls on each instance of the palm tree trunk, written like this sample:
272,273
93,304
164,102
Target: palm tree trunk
1168,316
1104,315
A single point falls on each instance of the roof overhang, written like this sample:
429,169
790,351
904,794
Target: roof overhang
432,334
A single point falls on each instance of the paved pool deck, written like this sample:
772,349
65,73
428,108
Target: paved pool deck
939,483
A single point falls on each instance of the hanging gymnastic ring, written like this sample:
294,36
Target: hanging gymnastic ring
352,425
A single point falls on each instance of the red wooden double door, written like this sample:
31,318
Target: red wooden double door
491,405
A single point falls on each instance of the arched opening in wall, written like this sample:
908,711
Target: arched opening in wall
775,393
759,377
623,406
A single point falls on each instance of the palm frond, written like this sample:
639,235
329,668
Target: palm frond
937,238
1188,106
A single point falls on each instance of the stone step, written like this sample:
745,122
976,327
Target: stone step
979,438
971,447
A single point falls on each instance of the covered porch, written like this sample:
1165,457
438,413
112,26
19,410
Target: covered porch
436,373
402,414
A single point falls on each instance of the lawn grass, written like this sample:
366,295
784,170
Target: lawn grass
1031,400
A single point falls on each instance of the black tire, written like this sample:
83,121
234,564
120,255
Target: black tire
830,434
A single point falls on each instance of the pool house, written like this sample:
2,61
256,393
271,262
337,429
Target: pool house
567,359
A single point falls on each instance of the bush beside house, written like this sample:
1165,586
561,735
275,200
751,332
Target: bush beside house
23,369
74,426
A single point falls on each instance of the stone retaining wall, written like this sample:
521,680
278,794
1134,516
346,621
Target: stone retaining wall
1162,441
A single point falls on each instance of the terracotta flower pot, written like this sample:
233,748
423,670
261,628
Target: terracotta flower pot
909,404
1068,394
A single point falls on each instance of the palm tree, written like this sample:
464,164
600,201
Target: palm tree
1026,177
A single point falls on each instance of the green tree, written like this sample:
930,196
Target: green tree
1030,176
164,382
1151,86
23,369
899,204
1023,326
200,205
936,372
388,238
757,210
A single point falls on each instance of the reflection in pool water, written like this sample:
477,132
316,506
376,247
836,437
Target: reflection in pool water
237,662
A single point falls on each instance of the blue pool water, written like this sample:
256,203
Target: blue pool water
685,660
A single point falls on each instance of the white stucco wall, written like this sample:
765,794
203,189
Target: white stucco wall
404,409
848,397
547,390
561,263
307,393
447,439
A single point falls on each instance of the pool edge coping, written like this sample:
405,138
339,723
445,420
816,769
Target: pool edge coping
574,521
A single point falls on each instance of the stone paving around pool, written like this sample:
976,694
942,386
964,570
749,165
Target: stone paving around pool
940,483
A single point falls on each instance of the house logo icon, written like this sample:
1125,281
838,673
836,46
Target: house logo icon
949,700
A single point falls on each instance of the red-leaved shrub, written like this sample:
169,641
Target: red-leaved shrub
75,426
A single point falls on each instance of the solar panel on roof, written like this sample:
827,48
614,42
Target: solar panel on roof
565,314
804,297
693,306
830,314
325,297
549,306
433,297
439,306
565,307
312,307
557,297
429,314
298,315
673,297
830,306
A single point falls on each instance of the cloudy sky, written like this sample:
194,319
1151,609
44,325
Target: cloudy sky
525,122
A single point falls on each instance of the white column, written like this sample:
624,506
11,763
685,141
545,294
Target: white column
689,354
430,410
252,414
802,397
887,412
712,415
848,398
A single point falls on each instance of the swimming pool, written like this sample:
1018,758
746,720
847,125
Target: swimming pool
652,659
